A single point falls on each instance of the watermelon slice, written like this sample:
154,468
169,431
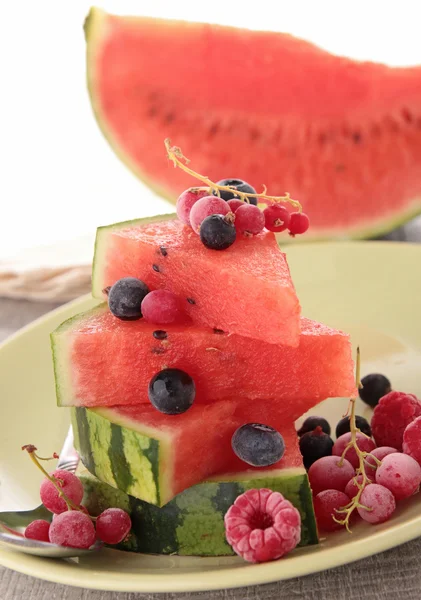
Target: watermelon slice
102,361
218,289
342,136
193,522
154,457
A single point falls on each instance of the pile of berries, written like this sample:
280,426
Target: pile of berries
342,486
62,493
219,219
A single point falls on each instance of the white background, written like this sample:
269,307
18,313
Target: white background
58,177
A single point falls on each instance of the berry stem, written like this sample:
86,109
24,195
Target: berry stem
31,450
177,157
355,502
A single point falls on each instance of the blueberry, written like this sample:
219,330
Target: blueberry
375,386
172,391
314,445
344,426
240,185
125,298
258,445
216,233
311,423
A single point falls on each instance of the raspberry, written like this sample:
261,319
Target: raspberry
365,444
412,440
400,474
381,502
325,505
261,525
392,415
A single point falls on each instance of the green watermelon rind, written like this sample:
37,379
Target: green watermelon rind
95,33
101,247
192,524
125,458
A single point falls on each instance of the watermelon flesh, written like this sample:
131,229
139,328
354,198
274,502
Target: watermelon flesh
103,361
193,522
218,289
341,136
154,457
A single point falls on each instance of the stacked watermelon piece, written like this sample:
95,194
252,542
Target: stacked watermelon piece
253,359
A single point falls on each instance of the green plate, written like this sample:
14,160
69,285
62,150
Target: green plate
372,290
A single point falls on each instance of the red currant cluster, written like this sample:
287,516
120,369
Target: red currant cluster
195,205
72,525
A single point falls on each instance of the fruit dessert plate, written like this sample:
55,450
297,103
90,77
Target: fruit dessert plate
390,342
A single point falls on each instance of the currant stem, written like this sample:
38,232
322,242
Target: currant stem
36,460
177,157
355,502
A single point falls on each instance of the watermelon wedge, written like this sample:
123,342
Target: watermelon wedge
193,522
246,289
342,136
154,457
102,361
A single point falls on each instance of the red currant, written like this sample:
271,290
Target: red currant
276,218
234,204
162,307
113,525
205,207
38,530
299,223
249,219
185,203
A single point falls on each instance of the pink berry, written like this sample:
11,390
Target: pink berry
365,444
352,489
326,504
399,473
162,307
71,486
261,525
249,219
329,473
412,440
186,201
276,218
72,528
205,207
234,204
298,223
381,502
392,415
38,530
379,453
113,525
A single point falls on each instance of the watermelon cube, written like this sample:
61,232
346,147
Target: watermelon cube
102,361
153,456
246,289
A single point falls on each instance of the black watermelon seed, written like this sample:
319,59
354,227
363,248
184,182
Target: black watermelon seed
218,331
106,290
191,301
156,268
160,334
163,251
